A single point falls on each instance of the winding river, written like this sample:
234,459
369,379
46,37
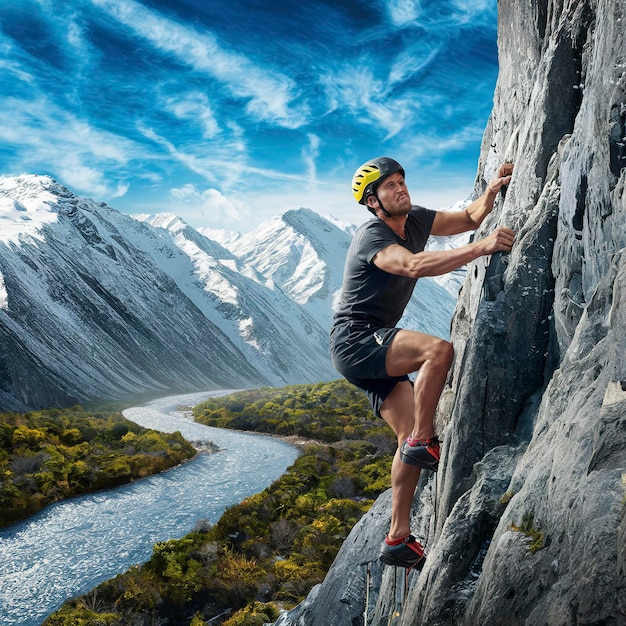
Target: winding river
71,546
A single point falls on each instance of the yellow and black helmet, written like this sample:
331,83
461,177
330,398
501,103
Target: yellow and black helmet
370,175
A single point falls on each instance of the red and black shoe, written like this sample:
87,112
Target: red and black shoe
422,453
404,552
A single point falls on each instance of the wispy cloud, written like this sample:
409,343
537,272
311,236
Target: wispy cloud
239,106
446,14
211,202
310,154
13,68
403,12
271,96
414,59
47,134
196,109
474,11
87,179
227,165
367,97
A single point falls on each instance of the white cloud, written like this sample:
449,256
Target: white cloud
85,179
210,204
226,165
446,14
223,162
16,70
271,95
412,60
368,98
75,151
196,108
310,154
402,12
471,11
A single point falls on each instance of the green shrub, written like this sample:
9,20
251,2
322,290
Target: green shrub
53,454
527,527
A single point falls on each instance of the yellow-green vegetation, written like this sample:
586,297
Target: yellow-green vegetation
506,498
328,412
271,549
255,614
528,528
53,454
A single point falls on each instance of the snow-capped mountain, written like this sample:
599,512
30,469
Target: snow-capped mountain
303,254
98,304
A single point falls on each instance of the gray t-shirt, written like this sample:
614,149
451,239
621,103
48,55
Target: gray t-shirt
370,294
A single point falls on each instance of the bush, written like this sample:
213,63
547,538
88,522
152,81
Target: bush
255,614
53,454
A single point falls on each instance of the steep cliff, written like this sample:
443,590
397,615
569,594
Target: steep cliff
526,522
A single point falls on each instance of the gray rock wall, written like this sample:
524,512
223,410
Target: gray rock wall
529,525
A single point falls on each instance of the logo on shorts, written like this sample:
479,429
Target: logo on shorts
379,339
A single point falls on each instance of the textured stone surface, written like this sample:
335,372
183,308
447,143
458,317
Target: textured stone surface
454,562
537,395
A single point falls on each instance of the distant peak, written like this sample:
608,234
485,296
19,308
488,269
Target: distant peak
297,218
169,221
300,211
27,203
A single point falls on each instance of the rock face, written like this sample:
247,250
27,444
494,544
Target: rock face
528,525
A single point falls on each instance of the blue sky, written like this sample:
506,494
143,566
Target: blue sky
229,113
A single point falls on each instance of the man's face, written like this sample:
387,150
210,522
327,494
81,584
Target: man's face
394,195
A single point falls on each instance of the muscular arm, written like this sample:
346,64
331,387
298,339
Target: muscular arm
397,260
455,222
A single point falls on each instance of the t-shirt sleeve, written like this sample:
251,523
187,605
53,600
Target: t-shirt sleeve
375,238
424,218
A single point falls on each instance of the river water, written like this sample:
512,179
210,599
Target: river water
71,546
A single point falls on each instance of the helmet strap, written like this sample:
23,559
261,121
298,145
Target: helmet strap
382,208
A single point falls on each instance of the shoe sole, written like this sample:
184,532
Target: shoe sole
409,460
388,559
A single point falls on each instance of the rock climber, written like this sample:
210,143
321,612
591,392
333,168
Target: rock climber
383,263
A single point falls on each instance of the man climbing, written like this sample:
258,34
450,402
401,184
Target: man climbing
385,259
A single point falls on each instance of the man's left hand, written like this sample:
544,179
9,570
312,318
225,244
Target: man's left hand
503,178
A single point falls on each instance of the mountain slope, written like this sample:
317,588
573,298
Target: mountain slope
267,327
97,304
303,254
88,315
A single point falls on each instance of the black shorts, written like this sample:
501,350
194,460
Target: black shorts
358,352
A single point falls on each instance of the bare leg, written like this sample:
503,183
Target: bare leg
411,410
397,411
411,351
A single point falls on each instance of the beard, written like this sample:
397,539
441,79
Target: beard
398,207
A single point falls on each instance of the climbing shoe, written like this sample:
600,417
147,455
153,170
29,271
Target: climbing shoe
421,452
404,552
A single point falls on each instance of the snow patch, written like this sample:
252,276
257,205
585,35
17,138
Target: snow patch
224,237
23,217
246,328
4,296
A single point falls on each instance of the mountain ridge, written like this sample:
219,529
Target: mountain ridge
97,304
